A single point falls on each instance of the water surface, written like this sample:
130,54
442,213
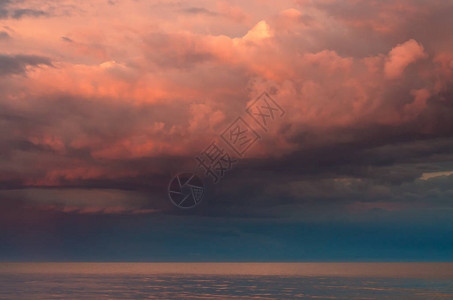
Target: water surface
225,281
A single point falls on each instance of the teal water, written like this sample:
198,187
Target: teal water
226,281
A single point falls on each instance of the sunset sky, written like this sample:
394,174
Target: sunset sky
102,102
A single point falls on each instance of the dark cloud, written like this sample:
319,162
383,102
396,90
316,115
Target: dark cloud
176,50
6,11
382,24
341,151
16,64
336,166
3,9
199,11
66,39
56,236
4,35
87,149
26,12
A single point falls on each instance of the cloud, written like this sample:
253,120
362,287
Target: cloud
180,50
17,64
3,9
401,56
198,10
258,32
428,175
19,13
81,201
129,103
4,35
66,39
8,10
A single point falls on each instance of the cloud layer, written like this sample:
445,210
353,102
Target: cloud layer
120,95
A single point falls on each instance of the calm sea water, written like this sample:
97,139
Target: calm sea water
225,281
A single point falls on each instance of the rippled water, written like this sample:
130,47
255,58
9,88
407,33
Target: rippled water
158,281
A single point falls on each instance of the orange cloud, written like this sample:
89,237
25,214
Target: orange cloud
401,56
138,81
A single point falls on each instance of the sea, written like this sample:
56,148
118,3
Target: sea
226,280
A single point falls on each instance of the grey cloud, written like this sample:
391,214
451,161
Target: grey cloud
363,161
336,166
16,64
26,12
3,9
66,39
175,50
4,35
6,11
423,21
199,11
78,198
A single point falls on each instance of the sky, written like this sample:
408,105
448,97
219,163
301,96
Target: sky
102,103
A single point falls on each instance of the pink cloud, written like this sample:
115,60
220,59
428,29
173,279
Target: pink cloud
401,56
166,83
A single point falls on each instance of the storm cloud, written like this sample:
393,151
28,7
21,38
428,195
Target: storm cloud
368,96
